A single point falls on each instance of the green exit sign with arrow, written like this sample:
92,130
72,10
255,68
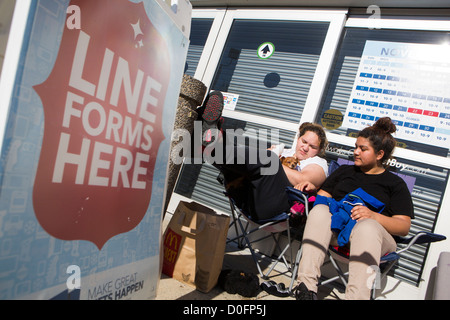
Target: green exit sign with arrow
266,50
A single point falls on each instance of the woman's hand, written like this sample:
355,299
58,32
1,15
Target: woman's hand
306,186
362,212
397,225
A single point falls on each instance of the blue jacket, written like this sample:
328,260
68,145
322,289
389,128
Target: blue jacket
341,221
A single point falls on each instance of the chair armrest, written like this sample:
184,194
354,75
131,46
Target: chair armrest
420,238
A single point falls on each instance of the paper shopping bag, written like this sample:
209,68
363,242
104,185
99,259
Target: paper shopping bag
194,245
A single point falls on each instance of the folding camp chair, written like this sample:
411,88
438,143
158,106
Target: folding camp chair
386,262
273,227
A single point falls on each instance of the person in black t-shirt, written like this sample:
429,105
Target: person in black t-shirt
372,235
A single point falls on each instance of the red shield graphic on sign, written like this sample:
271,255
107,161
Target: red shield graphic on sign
103,104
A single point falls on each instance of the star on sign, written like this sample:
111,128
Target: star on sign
137,28
137,31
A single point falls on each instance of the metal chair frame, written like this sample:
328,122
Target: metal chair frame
386,262
274,227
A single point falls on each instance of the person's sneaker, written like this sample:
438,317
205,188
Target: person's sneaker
211,113
276,289
302,293
279,149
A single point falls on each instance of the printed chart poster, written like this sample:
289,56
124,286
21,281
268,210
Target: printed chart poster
408,83
84,160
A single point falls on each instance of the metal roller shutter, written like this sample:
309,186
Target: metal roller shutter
199,33
277,87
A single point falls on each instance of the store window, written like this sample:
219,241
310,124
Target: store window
268,66
402,74
199,34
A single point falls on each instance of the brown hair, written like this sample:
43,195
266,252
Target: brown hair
380,136
318,130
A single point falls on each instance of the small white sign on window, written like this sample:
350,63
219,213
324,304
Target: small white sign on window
230,100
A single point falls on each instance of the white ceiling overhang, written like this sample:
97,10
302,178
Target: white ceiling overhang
324,3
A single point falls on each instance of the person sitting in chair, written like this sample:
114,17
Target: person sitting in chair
372,235
262,194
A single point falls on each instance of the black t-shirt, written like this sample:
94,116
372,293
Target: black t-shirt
386,187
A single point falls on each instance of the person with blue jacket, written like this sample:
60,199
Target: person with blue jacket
341,212
371,236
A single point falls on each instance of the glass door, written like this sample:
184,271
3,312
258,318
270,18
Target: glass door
267,63
205,26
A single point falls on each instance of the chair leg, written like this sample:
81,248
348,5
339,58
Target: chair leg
280,256
236,229
243,241
252,252
236,218
338,269
290,245
380,276
295,268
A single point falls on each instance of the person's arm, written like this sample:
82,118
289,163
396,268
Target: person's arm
312,173
324,193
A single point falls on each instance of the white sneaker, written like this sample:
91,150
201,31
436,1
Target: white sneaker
279,149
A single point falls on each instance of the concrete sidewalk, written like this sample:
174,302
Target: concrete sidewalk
171,289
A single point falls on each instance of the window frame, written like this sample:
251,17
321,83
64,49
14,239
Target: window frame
336,20
217,15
